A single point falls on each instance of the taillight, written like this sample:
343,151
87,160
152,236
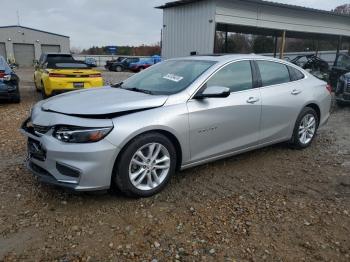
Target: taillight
56,75
329,88
95,75
2,74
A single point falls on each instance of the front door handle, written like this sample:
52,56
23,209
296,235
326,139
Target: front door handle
252,100
296,92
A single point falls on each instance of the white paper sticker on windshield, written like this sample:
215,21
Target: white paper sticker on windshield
173,77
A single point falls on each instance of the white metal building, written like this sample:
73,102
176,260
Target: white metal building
189,26
26,44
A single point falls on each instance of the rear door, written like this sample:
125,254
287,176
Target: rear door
224,125
280,105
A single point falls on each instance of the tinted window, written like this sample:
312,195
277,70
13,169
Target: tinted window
236,76
273,73
295,74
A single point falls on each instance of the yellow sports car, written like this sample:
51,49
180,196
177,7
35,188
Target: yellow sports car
59,73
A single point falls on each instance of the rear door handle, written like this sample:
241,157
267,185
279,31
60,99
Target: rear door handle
252,100
296,92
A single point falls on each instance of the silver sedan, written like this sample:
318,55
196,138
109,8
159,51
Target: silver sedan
177,114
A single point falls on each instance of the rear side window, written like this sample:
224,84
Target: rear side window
273,73
236,76
295,74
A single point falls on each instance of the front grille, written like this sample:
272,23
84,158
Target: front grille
41,129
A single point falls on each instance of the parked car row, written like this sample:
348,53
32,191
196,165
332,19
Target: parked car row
134,64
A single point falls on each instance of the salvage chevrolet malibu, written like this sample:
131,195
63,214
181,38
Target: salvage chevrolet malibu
177,114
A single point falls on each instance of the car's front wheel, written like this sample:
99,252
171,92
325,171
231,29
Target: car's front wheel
146,165
305,128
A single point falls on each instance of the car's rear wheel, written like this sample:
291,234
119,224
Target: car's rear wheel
36,86
17,97
43,92
118,69
146,165
305,128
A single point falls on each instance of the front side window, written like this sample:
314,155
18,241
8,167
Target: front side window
273,73
167,78
236,76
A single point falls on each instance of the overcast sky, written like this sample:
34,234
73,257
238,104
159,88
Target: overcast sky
105,22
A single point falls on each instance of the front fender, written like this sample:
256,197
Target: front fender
171,119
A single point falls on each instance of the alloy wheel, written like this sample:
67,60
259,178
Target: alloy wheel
307,129
149,166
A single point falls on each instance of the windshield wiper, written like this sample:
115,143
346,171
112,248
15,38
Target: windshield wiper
135,89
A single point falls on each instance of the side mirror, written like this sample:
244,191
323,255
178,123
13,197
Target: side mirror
214,92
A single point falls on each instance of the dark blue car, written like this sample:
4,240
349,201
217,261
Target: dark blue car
9,83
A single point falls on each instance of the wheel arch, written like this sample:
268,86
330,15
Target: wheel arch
315,107
174,140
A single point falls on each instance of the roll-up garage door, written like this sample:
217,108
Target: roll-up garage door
3,50
50,49
24,54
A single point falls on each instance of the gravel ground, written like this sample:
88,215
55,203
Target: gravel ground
274,204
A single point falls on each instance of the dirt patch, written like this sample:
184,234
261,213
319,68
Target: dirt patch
273,204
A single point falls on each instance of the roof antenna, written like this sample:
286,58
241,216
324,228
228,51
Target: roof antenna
18,18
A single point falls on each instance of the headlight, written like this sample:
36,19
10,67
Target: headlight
72,134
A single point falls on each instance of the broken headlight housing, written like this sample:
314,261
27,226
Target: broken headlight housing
73,134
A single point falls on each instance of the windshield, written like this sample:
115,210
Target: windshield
169,77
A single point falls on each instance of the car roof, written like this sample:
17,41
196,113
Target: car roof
227,58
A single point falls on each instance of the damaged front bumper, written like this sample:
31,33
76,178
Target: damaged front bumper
80,167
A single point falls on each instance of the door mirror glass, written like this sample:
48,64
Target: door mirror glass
214,92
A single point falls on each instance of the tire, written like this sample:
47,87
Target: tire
17,98
125,168
300,139
36,86
118,69
43,93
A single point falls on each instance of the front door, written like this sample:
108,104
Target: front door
223,125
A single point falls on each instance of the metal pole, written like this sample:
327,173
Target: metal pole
276,47
317,47
283,45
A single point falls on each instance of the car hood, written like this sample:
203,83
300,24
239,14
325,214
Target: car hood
102,101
